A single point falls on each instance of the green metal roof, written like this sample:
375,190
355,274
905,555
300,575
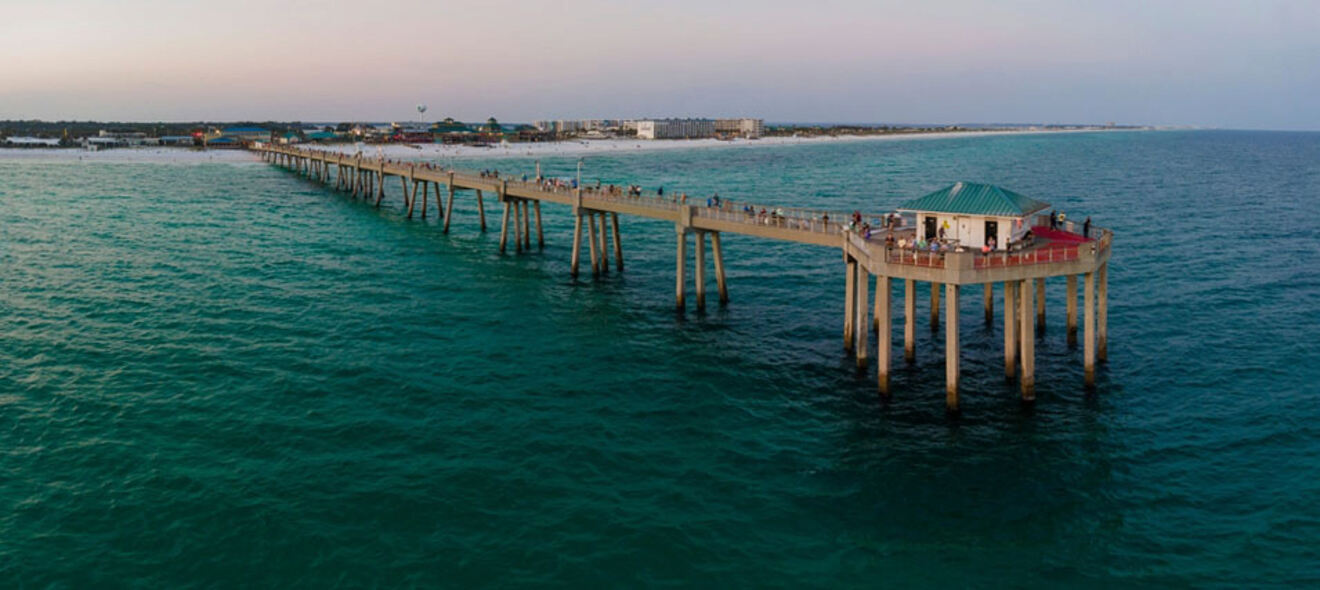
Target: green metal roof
974,198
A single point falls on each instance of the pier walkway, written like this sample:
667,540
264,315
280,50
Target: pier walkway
597,209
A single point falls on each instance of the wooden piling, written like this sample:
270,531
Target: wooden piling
989,304
951,350
504,228
1088,330
426,196
540,237
1040,305
449,207
517,222
604,244
863,323
849,301
614,226
1102,313
700,274
910,320
526,223
577,244
595,245
411,199
678,276
718,254
883,333
934,306
1010,329
481,208
1027,340
1071,306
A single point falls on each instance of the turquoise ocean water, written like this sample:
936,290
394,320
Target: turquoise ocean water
225,375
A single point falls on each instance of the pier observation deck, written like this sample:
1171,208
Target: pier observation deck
886,252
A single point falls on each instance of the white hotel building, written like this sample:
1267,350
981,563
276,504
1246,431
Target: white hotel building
698,128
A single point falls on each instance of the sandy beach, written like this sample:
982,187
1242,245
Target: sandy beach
507,150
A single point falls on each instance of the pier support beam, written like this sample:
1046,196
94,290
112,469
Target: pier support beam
595,245
504,228
1010,329
517,222
1040,305
481,207
426,196
604,244
849,302
449,207
1071,306
527,225
862,327
910,320
540,237
678,276
1027,338
951,369
1088,330
718,254
1102,302
883,333
618,244
700,274
577,243
934,306
989,304
410,199
439,203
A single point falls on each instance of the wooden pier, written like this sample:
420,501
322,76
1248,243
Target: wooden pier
1022,272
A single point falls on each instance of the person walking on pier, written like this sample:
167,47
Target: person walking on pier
1086,227
1054,219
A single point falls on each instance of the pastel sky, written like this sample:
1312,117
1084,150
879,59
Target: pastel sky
1214,63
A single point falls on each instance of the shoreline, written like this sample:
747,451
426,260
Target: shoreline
156,154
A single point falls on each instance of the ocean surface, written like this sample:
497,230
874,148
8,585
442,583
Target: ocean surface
226,375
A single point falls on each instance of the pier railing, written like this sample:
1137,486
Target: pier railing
1043,254
794,218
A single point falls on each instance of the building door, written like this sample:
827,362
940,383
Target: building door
931,230
992,231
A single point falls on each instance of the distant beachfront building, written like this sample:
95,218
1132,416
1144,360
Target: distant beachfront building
748,128
565,126
109,138
675,128
31,142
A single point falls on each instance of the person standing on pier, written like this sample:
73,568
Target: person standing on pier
1086,227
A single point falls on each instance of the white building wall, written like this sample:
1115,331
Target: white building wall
646,130
969,230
